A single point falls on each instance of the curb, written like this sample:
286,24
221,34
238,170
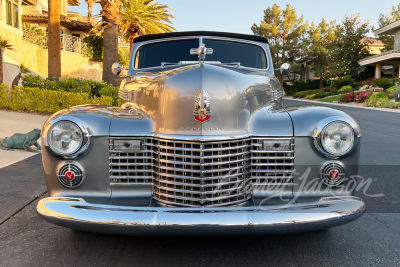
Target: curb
343,105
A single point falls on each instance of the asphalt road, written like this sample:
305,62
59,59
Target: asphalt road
372,240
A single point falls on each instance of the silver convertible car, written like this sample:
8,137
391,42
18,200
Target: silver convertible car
200,144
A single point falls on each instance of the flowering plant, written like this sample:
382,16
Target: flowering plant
358,97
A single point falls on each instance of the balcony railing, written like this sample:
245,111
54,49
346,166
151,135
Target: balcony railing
73,44
68,42
35,37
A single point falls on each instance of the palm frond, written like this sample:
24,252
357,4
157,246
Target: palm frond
140,17
4,44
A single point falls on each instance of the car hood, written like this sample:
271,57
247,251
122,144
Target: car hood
235,94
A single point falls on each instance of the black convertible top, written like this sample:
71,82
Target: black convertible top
203,33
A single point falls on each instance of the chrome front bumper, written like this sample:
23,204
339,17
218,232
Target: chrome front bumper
77,214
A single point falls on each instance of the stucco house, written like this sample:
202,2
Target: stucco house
24,25
387,62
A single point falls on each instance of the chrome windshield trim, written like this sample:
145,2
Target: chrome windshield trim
228,39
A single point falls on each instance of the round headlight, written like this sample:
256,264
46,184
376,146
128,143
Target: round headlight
337,138
65,138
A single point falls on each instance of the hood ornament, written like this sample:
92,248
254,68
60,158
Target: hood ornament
202,110
201,51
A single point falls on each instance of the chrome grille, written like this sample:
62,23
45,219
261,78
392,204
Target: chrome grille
271,167
201,173
127,168
210,173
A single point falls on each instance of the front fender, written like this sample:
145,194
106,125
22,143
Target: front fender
96,120
308,160
306,118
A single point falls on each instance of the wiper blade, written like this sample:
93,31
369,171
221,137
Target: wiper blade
237,64
163,64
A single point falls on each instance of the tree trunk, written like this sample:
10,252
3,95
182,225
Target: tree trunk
110,53
1,64
54,40
131,37
89,11
16,80
321,82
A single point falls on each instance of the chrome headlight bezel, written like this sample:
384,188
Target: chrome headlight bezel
85,142
324,124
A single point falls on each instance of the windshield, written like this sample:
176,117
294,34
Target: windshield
224,52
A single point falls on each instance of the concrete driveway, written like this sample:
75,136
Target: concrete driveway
16,122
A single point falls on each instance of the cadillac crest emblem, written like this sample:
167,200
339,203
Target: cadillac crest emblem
202,106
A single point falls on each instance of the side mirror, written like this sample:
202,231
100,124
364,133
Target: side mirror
116,68
285,69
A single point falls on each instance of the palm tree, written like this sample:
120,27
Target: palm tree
90,4
109,22
22,70
4,44
54,40
140,17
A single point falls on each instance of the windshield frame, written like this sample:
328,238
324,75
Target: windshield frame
217,38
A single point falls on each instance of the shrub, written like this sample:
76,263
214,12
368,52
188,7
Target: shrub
45,101
380,95
299,86
371,100
308,92
93,88
101,89
345,89
346,80
4,94
384,83
358,97
33,81
320,93
313,96
94,47
382,103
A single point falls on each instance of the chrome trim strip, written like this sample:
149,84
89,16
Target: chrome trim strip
201,178
202,149
204,164
198,192
200,185
200,171
199,199
218,38
200,157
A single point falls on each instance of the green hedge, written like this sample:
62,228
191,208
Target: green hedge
345,89
44,101
303,94
291,88
384,83
93,88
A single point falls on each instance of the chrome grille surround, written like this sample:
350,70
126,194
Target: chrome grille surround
202,173
127,168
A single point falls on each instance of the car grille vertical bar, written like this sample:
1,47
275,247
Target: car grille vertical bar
203,173
127,168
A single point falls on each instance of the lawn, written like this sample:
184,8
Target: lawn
330,99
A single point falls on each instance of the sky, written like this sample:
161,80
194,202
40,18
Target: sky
238,16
